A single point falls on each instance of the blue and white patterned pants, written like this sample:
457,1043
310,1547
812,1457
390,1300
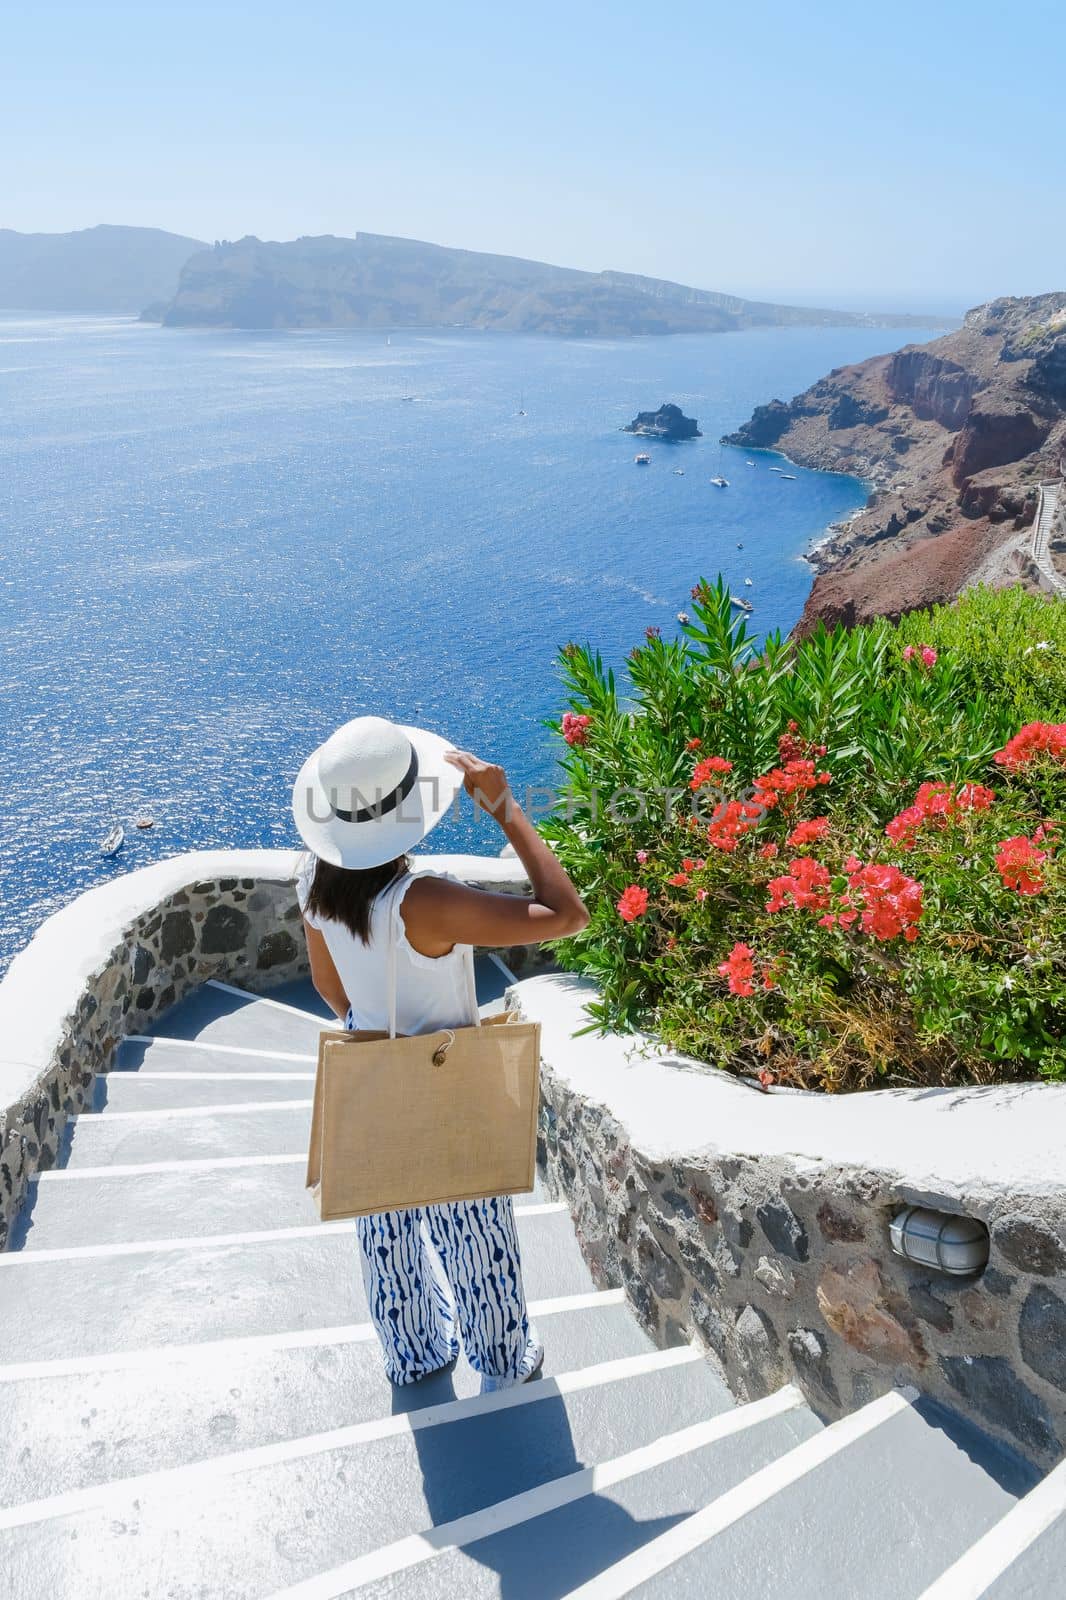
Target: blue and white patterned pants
438,1274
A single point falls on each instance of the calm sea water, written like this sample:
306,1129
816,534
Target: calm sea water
218,546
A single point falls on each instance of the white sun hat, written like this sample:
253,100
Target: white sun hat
373,791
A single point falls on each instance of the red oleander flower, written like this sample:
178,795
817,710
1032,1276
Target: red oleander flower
936,803
768,852
1018,862
1034,740
642,856
805,886
891,902
633,903
730,822
739,970
704,770
678,880
928,656
688,865
784,784
808,832
693,744
920,652
575,727
701,894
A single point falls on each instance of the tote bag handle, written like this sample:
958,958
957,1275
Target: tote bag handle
393,936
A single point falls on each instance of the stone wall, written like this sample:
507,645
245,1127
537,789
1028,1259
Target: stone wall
782,1265
115,959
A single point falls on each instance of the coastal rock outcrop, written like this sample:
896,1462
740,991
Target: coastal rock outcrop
669,422
953,437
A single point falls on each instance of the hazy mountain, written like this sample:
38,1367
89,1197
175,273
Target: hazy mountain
96,269
373,281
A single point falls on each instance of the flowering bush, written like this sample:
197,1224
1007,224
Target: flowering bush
822,864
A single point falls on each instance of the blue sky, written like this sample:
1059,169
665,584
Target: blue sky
903,155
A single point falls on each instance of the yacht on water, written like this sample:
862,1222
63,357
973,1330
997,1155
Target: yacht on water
741,605
749,463
642,460
114,841
748,582
721,483
144,821
791,476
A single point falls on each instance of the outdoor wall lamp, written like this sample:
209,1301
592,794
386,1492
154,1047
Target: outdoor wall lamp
958,1245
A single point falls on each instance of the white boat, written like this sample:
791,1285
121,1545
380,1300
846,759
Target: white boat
642,460
777,469
749,463
791,476
741,605
679,472
114,841
144,821
720,483
408,399
748,582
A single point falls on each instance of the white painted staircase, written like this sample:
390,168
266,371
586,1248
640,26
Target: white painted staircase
193,1403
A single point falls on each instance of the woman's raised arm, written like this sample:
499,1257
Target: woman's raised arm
438,914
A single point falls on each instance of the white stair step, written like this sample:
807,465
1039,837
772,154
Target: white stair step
239,1528
162,1052
93,1304
875,1519
102,1209
276,1128
173,1089
535,1545
166,1407
1023,1557
117,1203
218,1014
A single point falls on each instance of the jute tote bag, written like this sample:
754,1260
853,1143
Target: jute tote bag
414,1121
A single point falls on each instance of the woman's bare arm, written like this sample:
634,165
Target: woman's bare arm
438,914
324,974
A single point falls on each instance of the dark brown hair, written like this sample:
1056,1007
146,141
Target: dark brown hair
347,895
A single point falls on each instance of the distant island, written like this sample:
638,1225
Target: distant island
955,438
373,281
96,269
669,422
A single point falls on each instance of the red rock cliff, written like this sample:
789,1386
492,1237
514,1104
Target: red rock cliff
954,438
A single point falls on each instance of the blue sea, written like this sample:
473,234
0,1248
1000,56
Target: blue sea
216,546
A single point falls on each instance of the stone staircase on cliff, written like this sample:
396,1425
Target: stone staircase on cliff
1047,508
194,1406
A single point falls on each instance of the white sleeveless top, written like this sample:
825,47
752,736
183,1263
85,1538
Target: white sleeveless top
431,991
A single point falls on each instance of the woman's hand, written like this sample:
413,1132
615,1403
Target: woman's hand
485,783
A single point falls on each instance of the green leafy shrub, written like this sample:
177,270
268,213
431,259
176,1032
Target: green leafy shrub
825,864
1005,644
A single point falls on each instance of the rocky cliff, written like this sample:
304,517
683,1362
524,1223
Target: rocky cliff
953,437
373,281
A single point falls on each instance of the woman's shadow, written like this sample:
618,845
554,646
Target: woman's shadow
527,1449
